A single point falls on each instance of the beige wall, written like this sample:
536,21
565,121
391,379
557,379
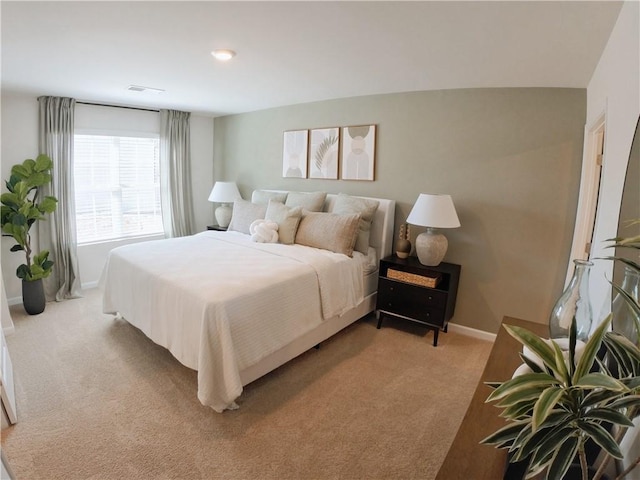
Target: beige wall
509,157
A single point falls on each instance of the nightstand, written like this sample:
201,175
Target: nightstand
412,291
217,227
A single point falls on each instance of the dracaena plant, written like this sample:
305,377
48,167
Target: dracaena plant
21,208
566,401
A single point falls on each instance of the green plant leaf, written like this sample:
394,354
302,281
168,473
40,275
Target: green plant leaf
601,437
531,364
519,410
626,402
545,449
43,163
48,204
562,458
608,415
545,404
504,434
590,350
518,396
523,382
560,365
534,343
599,380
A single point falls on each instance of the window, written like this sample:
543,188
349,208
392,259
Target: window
117,187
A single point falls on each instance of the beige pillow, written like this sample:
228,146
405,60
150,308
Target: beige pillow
329,231
366,208
263,196
287,219
244,214
312,202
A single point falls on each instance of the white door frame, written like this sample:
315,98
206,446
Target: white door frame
594,137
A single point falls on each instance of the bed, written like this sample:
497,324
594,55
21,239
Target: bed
233,308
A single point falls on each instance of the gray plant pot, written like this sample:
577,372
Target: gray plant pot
33,298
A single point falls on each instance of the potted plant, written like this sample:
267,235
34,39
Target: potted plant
567,399
21,208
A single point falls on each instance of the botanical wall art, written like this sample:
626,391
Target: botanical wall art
294,154
358,152
323,153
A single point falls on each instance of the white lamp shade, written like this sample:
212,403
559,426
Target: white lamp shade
436,211
224,192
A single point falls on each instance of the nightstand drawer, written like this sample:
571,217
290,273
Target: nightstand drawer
421,297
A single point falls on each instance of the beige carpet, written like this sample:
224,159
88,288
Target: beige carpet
98,400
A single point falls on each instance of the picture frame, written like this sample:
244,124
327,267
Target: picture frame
324,149
358,152
295,146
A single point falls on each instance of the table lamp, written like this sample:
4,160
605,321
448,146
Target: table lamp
224,193
434,212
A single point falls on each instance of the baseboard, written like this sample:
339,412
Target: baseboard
14,301
8,330
471,332
88,285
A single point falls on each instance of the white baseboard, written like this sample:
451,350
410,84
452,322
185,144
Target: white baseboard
472,332
8,330
14,301
88,285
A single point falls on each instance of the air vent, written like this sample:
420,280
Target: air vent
138,88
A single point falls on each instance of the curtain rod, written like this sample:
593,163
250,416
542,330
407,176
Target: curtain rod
118,106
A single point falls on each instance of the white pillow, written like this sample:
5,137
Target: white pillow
287,219
264,231
329,231
263,196
312,202
366,208
244,214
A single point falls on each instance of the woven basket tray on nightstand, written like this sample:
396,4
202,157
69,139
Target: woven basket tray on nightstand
430,281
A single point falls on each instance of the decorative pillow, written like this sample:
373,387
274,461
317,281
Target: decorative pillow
312,202
244,213
366,209
329,231
264,231
263,196
287,219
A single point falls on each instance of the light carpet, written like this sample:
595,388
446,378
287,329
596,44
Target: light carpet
98,400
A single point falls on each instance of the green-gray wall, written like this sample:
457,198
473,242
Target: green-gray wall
510,158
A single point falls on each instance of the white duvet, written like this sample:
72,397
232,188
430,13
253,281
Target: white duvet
220,303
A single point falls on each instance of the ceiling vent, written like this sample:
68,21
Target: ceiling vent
138,88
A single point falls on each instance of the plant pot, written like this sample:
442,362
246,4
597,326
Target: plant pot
33,298
575,473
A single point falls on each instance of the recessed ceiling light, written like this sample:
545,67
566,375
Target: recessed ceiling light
223,55
138,88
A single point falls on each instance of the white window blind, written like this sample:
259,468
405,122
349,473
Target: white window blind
117,187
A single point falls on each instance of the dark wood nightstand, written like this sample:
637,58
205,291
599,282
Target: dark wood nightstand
217,227
412,291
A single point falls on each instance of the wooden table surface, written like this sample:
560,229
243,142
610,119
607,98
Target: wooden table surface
467,459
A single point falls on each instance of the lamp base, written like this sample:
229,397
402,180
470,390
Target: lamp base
431,246
223,215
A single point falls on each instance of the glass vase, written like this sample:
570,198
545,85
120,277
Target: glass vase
573,303
624,318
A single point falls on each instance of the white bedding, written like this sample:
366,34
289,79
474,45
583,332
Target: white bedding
221,303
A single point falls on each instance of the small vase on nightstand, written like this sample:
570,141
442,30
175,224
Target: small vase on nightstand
403,245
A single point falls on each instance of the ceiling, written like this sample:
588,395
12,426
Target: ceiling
294,52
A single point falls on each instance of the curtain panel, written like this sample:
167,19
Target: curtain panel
175,173
58,233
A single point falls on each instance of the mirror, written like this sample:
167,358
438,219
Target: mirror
629,206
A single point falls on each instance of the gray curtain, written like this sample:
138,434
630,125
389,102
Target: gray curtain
58,233
175,173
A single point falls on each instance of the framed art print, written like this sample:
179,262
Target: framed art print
358,152
294,154
323,153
